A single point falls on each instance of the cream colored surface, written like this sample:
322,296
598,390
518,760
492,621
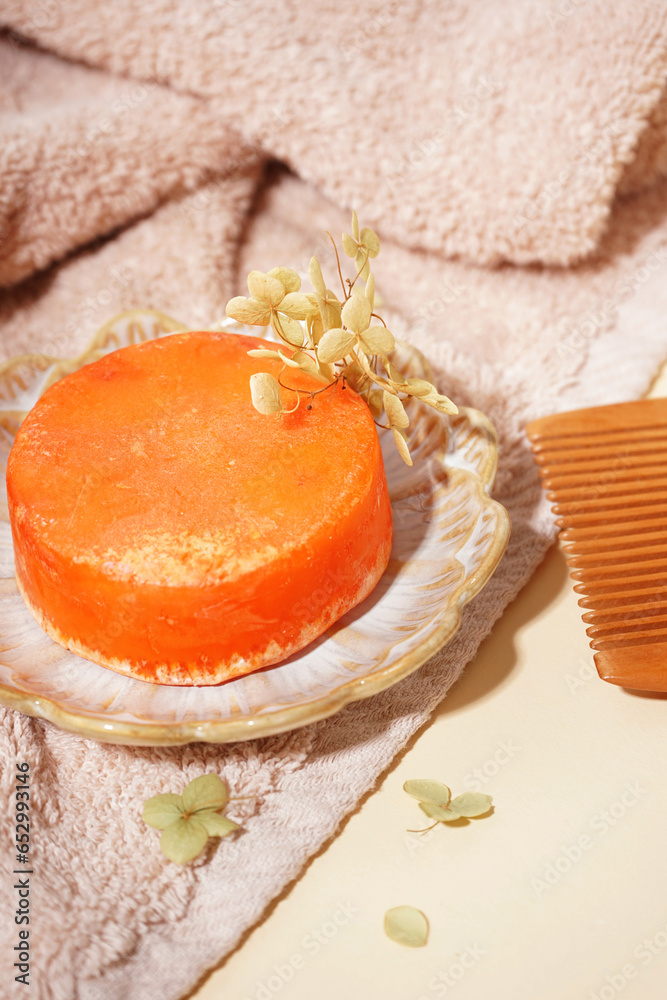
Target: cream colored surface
557,895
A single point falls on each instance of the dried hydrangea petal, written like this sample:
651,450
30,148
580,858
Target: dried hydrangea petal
378,379
445,405
356,313
288,278
217,825
316,277
249,311
208,791
307,364
161,810
330,309
304,361
183,840
440,814
397,377
419,387
440,403
265,288
395,410
362,264
471,804
290,362
327,371
377,340
335,345
265,393
407,926
370,241
287,329
427,790
369,291
401,439
296,305
262,353
353,373
315,329
350,245
375,404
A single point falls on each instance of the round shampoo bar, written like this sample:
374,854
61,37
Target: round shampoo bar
165,529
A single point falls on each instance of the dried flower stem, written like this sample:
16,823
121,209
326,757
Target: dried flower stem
332,339
353,283
340,273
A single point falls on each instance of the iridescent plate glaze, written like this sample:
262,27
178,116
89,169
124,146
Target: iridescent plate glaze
448,539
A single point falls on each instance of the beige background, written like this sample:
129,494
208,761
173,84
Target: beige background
559,894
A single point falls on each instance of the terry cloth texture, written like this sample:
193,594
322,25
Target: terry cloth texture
512,157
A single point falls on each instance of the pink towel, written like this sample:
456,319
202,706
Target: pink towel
512,158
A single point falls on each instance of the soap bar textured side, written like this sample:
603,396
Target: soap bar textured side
165,529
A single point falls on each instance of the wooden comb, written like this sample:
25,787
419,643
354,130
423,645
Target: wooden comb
605,471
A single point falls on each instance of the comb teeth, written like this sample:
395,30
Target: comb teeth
605,472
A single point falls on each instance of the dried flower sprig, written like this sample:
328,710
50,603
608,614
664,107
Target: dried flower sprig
332,339
435,800
188,820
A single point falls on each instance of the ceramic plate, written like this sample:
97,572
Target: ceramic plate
448,538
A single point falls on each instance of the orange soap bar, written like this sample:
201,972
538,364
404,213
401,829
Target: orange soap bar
165,529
